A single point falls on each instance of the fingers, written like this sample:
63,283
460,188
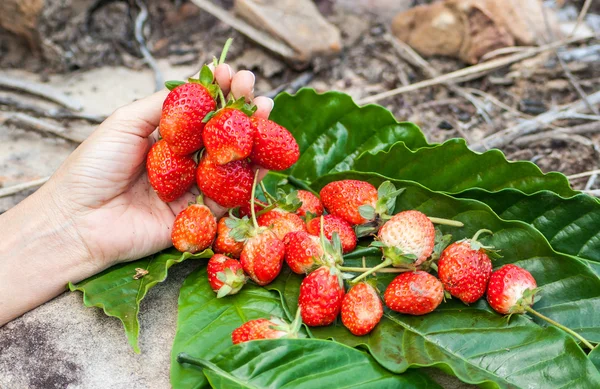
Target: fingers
223,76
264,105
140,117
242,84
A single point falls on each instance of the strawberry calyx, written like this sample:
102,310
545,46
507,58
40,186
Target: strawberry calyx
378,215
476,245
232,282
292,329
526,301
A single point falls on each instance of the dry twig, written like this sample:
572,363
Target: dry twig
139,37
54,113
21,187
584,11
470,72
41,90
256,35
40,125
584,174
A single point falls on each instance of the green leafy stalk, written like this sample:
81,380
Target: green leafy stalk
562,327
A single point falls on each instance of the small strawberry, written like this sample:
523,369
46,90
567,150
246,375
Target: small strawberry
511,290
321,294
228,136
225,244
274,147
331,224
274,328
408,237
170,175
303,251
310,204
228,185
182,113
414,293
281,222
194,228
225,275
262,256
465,268
361,309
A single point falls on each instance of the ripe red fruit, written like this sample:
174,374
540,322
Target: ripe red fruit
274,328
281,222
228,136
224,243
194,229
170,175
228,185
182,113
344,198
262,257
225,275
331,224
274,147
310,204
361,309
321,294
507,288
414,293
408,233
303,251
465,268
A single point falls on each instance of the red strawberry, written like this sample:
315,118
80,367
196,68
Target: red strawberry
194,229
274,147
274,328
228,136
361,309
465,268
511,290
182,113
224,243
321,294
281,222
414,293
170,175
225,275
303,251
262,256
228,185
344,198
333,224
310,204
407,237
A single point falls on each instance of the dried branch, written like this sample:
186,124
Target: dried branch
21,187
40,125
41,90
584,174
584,11
54,113
256,35
139,37
470,72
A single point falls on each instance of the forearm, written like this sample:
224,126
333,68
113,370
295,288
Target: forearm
40,253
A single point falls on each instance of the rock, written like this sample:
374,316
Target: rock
296,22
468,29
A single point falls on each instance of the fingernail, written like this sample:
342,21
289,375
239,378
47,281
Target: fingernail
271,102
230,72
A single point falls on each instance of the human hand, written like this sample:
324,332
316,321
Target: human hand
103,188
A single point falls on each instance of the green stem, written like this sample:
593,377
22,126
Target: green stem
364,269
482,231
556,324
225,50
372,270
252,211
363,252
301,185
446,222
222,98
266,209
268,196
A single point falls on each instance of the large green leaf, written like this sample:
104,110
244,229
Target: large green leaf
473,342
451,167
572,225
303,363
595,357
205,323
119,294
332,130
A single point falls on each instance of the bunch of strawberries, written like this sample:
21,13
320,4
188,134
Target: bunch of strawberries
221,150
